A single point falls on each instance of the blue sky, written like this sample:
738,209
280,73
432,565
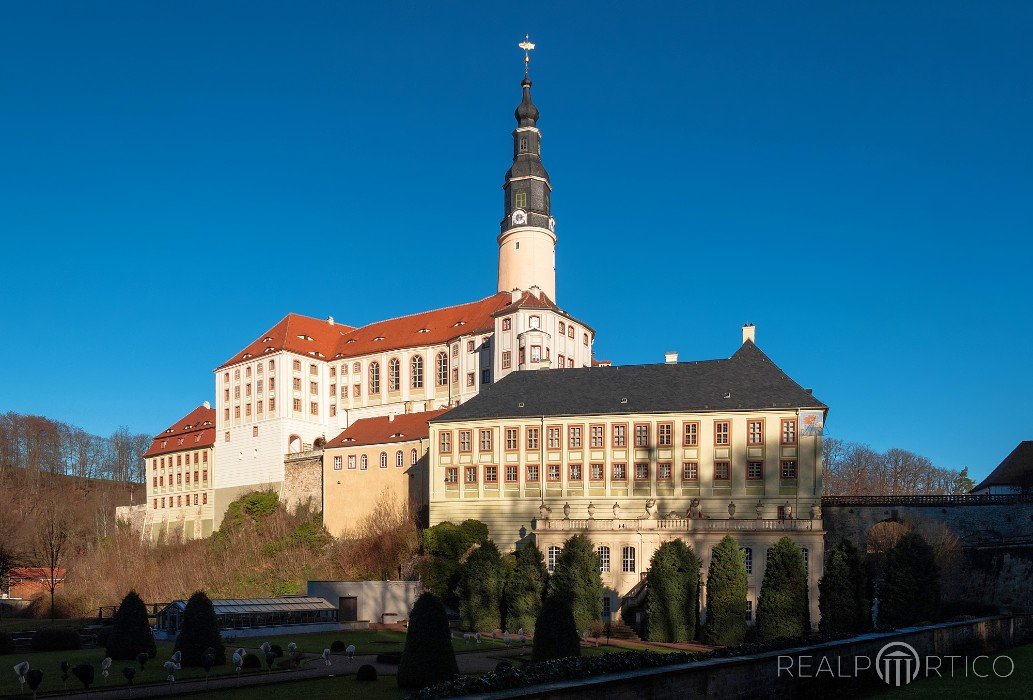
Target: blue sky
854,178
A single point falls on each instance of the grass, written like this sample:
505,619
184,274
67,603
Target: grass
384,688
1017,685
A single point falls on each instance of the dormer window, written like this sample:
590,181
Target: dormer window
424,330
267,339
458,323
378,339
305,337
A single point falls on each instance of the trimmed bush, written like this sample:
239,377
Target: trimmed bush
782,608
576,581
672,592
481,580
525,587
131,633
841,591
251,662
337,646
428,656
200,632
726,595
910,589
56,639
6,643
366,674
555,632
277,650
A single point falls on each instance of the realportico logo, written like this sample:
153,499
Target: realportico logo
898,663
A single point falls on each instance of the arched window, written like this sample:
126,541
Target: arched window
417,372
363,462
553,553
294,444
414,457
374,378
383,460
399,459
604,558
394,374
628,560
442,369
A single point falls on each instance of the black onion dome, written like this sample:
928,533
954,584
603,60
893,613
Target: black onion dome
526,113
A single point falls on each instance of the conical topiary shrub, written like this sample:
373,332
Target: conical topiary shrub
428,656
131,634
200,632
726,595
555,633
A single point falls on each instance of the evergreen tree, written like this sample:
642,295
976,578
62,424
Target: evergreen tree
200,631
910,589
446,544
782,608
576,581
555,633
428,656
525,587
481,581
671,593
842,595
726,595
131,633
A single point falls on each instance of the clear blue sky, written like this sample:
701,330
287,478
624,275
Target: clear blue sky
854,178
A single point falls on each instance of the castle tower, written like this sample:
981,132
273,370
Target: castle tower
527,241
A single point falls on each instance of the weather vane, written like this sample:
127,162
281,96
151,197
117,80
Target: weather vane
528,47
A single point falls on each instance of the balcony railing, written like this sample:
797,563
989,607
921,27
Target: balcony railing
679,524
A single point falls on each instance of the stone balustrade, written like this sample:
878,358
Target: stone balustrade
679,524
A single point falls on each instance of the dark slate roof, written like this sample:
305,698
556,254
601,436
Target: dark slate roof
748,378
1015,470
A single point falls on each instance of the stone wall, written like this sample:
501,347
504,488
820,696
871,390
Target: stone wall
303,480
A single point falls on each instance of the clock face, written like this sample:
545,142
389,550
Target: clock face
519,217
552,224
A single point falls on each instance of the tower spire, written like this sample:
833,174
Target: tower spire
528,47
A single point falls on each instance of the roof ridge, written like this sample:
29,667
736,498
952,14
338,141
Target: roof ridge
426,311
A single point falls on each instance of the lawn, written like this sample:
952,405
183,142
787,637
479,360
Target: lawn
1017,685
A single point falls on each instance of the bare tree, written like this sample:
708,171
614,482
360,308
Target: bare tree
852,469
50,548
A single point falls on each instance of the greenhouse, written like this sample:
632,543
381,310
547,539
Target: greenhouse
245,613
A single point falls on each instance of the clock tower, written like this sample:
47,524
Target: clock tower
527,240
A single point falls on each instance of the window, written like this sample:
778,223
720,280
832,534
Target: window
394,374
620,472
383,460
721,471
749,611
399,459
788,469
754,471
721,433
296,365
570,332
641,471
374,377
247,389
663,434
451,475
351,461
357,390
464,441
485,440
471,379
641,435
570,362
155,504
313,387
747,556
596,472
507,324
690,471
553,473
455,350
533,474
533,437
562,361
313,408
356,367
416,371
511,474
226,413
236,374
512,438
195,495
554,438
788,431
563,328
491,474
604,559
574,437
596,435
663,471
338,463
585,340
272,383
471,475
204,475
272,365
755,432
628,560
574,472
333,409
254,433
296,383
259,406
363,463
442,367
620,436
507,359
312,369
550,559
534,322
806,560
455,375
333,371
414,457
536,353
236,411
520,198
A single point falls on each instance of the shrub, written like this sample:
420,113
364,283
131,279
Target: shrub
277,650
56,639
6,644
576,581
337,646
481,580
555,632
445,544
841,591
672,587
525,587
428,656
366,673
782,608
910,589
251,662
131,633
200,631
726,595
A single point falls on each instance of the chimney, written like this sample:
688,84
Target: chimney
749,332
536,291
391,417
330,320
514,295
671,358
206,404
545,363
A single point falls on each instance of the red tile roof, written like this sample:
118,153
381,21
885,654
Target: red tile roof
528,300
384,431
194,431
302,335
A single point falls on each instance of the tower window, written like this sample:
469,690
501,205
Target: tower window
520,200
523,144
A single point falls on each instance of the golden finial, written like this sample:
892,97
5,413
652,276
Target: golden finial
528,47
